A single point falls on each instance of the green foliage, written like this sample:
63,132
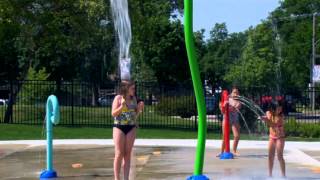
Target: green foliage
255,66
9,30
296,37
252,72
200,44
184,106
74,39
223,50
34,75
292,127
158,42
275,52
66,37
35,91
300,129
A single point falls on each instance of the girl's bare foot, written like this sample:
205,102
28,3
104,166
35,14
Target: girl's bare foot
236,154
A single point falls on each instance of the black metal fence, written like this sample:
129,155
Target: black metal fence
85,104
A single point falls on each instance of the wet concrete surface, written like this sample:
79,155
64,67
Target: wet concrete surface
314,154
24,162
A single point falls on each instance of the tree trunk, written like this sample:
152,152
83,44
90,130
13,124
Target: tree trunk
95,94
8,118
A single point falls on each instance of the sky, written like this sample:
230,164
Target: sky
239,15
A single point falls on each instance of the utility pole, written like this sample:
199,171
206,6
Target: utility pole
313,59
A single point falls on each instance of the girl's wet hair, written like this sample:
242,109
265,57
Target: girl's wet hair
124,87
234,87
273,105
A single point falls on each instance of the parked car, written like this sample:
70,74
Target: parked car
106,100
210,103
3,102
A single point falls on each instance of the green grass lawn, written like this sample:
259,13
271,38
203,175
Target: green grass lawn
20,132
33,132
80,115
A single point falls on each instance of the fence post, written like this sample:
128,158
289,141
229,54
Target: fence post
72,104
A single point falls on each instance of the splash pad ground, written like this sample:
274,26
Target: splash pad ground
154,159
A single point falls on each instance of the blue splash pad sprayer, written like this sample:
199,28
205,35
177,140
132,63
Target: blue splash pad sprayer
52,117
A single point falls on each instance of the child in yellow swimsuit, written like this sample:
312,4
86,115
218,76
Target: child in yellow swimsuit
125,110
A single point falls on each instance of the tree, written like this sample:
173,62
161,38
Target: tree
158,41
61,36
9,31
71,39
280,48
200,44
256,66
223,49
28,94
296,38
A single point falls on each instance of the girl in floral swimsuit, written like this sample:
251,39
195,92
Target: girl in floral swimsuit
125,111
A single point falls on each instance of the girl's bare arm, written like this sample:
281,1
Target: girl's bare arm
267,118
139,109
116,106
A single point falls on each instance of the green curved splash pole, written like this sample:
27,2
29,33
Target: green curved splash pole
197,86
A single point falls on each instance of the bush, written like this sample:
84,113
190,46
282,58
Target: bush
184,106
306,130
309,130
35,89
291,127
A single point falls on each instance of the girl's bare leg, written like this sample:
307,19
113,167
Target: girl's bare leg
272,146
279,148
130,138
119,150
236,137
